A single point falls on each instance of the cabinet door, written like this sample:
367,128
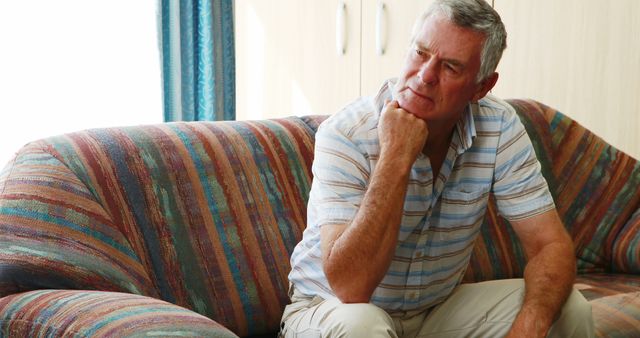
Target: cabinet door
286,57
581,57
386,25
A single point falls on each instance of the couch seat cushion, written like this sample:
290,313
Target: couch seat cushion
615,301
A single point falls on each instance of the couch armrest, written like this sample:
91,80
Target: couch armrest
99,314
55,235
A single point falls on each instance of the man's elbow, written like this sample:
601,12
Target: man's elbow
351,296
347,287
348,299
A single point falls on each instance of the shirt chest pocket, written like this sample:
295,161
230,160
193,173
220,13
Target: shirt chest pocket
460,208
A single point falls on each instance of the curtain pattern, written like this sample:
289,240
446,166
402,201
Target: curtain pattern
198,59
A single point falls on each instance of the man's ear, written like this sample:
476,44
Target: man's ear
485,87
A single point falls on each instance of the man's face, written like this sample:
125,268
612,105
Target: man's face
439,77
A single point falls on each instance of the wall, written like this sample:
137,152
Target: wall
581,57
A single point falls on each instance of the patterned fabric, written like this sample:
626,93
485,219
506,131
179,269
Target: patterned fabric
203,215
596,189
489,151
198,59
615,303
55,234
70,313
626,249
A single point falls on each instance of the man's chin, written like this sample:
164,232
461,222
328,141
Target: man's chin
413,110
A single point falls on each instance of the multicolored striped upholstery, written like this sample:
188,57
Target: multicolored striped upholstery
626,249
72,313
615,303
55,234
204,215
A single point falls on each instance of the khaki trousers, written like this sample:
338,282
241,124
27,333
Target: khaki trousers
484,309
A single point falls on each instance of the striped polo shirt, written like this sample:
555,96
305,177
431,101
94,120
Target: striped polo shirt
490,152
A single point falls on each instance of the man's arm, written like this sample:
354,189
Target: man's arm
355,257
549,274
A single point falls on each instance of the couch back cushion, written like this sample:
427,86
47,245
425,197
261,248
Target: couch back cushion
596,189
212,210
626,250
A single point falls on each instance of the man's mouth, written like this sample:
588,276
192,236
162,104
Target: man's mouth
419,95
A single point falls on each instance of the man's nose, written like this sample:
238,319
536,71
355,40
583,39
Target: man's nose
429,71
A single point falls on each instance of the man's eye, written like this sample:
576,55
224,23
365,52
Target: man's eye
451,68
420,52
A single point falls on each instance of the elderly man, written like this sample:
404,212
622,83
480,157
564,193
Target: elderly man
401,184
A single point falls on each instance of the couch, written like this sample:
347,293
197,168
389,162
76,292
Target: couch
185,229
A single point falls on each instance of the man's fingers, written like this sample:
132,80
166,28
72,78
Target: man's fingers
390,104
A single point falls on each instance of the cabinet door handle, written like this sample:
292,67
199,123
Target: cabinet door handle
341,28
381,29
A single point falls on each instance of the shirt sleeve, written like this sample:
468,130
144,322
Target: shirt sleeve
340,178
518,185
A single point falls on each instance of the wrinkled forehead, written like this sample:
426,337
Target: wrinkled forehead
434,9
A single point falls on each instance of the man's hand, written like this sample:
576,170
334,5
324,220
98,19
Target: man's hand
402,135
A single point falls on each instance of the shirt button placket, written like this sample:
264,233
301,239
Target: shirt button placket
415,279
418,265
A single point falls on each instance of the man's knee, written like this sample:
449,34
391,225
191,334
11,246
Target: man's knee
332,318
359,320
575,319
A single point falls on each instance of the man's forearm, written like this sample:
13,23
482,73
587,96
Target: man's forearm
356,256
549,277
361,254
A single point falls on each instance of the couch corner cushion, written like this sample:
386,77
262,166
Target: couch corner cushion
99,314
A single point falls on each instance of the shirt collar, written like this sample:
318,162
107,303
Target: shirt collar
386,92
466,128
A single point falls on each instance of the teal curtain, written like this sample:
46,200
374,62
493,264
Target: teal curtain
198,59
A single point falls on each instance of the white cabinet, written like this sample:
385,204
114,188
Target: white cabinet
286,57
287,62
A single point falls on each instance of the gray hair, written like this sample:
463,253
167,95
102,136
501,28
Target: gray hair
479,16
